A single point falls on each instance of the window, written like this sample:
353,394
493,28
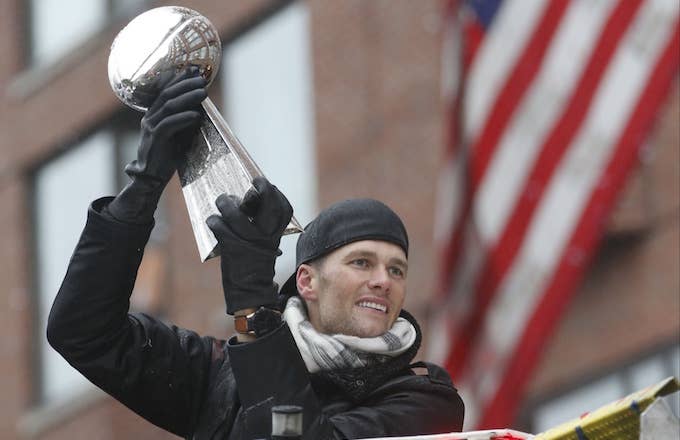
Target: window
60,202
63,189
636,376
57,27
267,83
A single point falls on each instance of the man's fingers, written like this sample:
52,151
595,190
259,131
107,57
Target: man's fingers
190,100
186,85
275,210
176,89
263,210
228,206
262,184
251,202
167,78
216,225
174,124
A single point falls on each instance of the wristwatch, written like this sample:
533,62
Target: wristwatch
262,321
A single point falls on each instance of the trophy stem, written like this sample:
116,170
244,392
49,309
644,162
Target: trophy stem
216,163
232,141
249,165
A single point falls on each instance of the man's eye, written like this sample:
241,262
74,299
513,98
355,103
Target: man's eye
397,272
361,262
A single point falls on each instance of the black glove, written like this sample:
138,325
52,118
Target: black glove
248,233
168,130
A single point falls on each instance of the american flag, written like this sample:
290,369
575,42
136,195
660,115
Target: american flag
550,103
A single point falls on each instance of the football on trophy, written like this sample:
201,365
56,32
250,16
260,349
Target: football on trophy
155,46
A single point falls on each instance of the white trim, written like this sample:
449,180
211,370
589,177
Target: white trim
512,28
572,184
537,114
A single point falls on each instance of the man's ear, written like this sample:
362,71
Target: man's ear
305,277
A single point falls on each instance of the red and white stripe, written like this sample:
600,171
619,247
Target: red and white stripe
556,102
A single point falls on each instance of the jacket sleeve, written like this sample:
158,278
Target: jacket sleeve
270,371
410,405
156,370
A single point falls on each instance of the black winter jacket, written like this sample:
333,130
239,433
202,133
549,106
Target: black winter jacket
207,388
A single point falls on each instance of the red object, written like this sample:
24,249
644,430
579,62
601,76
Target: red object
550,103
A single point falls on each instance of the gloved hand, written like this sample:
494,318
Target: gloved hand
168,129
248,233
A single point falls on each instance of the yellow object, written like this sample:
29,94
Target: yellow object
618,420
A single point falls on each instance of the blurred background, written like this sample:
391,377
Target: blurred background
532,149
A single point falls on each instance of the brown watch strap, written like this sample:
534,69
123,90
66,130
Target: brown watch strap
258,323
241,323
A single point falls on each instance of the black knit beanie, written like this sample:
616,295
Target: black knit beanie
343,223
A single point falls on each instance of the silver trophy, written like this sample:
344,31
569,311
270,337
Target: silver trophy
160,43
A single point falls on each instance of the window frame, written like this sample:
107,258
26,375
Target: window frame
117,125
114,14
622,371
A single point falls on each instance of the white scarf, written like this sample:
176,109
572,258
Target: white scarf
330,352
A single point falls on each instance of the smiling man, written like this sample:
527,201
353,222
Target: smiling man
334,340
344,310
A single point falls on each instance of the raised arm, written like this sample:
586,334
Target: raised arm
156,370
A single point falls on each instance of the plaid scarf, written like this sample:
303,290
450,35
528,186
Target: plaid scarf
331,352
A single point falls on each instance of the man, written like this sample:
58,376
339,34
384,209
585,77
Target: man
341,349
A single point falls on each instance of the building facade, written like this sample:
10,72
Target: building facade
333,100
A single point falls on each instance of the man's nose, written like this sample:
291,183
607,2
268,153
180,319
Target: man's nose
380,280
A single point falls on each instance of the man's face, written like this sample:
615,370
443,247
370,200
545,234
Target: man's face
358,289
